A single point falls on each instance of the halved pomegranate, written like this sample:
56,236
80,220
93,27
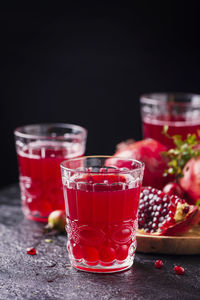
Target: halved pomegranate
150,152
161,214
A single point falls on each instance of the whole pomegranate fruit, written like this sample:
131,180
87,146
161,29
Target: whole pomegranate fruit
57,220
190,181
150,152
173,188
162,214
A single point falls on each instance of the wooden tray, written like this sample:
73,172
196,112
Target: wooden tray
186,244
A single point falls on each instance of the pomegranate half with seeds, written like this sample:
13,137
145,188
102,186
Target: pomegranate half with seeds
162,214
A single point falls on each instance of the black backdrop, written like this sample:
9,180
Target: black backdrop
88,64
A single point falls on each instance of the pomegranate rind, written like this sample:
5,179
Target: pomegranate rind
173,188
190,182
191,219
150,152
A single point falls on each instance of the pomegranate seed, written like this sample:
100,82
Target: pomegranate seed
186,210
142,222
179,270
159,200
159,264
142,207
31,251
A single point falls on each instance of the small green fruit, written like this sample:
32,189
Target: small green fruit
57,220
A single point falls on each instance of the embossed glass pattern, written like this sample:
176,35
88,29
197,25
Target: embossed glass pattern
101,200
40,150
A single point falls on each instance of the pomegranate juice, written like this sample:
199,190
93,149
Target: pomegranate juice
40,178
153,127
101,221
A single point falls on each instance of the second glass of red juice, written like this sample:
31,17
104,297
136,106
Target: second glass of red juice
101,202
40,150
179,111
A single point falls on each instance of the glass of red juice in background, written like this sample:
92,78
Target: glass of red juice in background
101,203
40,150
179,111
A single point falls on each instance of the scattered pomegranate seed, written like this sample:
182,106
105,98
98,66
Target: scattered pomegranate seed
31,251
159,264
179,270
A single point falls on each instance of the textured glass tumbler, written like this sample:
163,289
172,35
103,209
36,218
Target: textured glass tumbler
101,199
40,150
179,111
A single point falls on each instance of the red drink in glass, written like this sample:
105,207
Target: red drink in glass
180,112
101,220
39,167
153,128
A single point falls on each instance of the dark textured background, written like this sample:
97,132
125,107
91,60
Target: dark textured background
88,63
49,275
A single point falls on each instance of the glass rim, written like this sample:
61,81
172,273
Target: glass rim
150,98
82,134
140,166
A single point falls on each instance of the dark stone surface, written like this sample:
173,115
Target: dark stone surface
48,275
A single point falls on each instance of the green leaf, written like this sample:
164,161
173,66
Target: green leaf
173,163
48,240
177,139
198,203
164,153
165,129
183,151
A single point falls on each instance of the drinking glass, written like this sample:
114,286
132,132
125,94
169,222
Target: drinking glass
101,200
40,150
179,111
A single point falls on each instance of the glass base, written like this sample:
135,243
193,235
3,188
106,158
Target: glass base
34,216
37,219
117,266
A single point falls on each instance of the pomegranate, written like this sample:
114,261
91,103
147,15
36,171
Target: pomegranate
173,188
150,152
161,214
190,181
57,220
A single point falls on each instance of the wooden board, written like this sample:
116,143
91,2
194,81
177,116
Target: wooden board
186,244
